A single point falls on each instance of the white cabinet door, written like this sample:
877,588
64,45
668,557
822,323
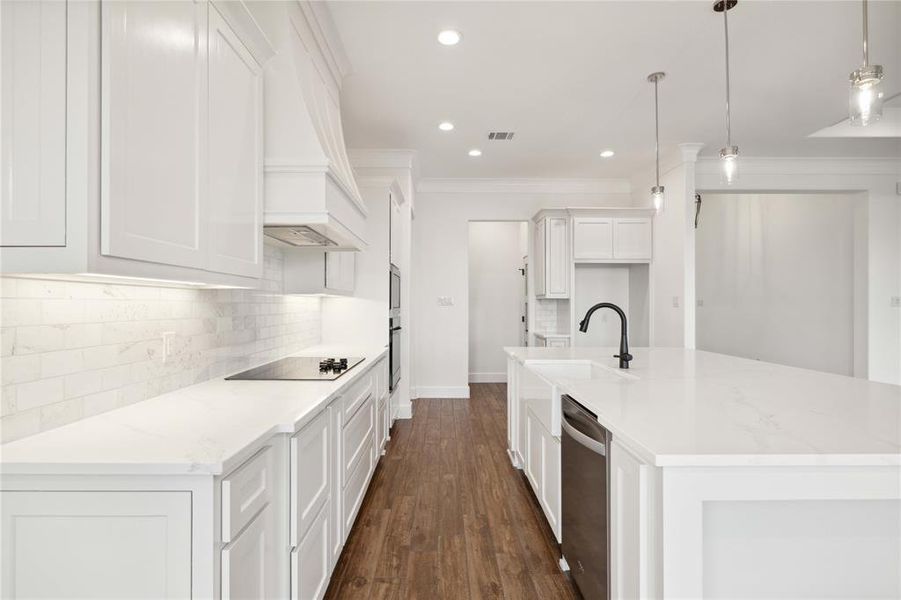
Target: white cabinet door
592,238
235,154
153,132
310,562
512,412
96,544
533,452
310,474
539,262
550,491
558,257
249,562
33,123
632,239
340,271
629,528
336,499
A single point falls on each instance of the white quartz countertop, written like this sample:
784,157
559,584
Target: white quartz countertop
201,429
677,407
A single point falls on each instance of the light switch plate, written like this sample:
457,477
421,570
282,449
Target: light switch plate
896,302
445,301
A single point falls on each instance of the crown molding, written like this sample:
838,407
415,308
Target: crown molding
524,186
807,166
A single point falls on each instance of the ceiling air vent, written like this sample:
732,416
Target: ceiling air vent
500,136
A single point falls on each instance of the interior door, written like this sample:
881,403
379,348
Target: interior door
235,154
153,131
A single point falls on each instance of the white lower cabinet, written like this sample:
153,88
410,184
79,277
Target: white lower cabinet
310,561
96,544
248,567
277,520
542,467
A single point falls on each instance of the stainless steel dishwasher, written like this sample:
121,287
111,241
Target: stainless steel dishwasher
585,489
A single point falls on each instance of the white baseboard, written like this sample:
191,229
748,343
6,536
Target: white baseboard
488,377
461,391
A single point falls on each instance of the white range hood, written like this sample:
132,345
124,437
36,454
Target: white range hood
311,198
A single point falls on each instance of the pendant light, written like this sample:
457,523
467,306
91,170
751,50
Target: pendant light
728,154
865,99
657,190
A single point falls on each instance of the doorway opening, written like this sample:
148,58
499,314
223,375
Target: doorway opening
782,277
498,309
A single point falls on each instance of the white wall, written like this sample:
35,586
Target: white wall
496,296
71,350
876,179
776,276
440,264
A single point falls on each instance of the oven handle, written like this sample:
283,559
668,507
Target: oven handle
579,437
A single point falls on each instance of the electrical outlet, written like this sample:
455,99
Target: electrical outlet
896,302
167,344
675,301
700,302
445,301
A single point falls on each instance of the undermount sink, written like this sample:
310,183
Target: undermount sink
575,369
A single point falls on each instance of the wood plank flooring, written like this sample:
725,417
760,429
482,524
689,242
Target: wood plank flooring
447,516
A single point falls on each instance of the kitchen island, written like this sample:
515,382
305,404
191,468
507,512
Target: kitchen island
728,477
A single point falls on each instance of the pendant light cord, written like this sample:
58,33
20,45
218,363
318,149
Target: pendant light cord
866,35
656,133
728,113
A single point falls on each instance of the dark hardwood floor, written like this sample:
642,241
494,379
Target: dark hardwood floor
447,516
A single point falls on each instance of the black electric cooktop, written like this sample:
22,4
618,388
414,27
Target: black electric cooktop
301,368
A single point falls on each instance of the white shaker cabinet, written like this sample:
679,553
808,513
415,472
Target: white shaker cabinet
33,123
143,157
552,255
93,544
601,238
235,146
317,271
154,131
248,567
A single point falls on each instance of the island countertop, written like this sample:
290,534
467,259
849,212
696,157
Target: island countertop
678,407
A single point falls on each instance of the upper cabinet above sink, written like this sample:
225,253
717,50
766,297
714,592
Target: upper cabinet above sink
311,198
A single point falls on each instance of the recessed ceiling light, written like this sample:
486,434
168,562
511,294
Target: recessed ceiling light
607,153
446,126
475,152
449,37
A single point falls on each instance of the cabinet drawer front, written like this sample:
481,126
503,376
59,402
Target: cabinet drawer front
310,561
309,474
357,394
354,437
248,563
355,489
245,491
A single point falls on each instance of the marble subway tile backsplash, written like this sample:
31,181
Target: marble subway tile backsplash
69,350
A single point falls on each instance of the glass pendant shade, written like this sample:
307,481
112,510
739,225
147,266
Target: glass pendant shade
657,198
729,160
865,99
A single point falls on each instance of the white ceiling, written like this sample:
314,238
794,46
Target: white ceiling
570,79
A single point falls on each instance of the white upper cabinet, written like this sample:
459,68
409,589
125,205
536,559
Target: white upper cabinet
314,271
171,188
601,235
552,256
592,238
154,139
33,123
632,239
235,152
